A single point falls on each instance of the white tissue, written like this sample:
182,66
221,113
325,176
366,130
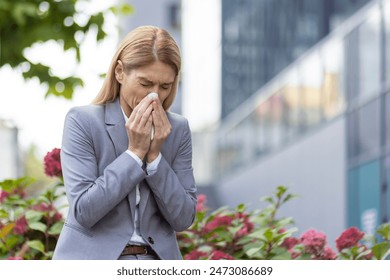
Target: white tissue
152,96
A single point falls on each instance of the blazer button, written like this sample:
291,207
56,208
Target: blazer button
151,241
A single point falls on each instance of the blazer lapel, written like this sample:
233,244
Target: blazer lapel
115,124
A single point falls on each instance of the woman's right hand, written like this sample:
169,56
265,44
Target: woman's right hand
138,128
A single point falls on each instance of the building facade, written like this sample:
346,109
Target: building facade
261,38
320,127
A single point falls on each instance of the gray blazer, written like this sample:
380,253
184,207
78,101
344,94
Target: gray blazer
100,180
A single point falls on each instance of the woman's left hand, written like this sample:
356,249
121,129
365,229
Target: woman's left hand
162,129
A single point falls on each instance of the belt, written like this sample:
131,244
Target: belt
138,250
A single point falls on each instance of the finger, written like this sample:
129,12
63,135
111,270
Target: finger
161,114
157,117
146,116
141,108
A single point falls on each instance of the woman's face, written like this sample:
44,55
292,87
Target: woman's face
137,83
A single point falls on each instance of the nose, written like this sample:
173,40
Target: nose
154,89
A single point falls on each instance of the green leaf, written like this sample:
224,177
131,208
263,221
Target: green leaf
251,252
280,254
284,222
234,230
384,231
223,234
38,226
37,245
381,250
289,197
123,9
5,230
244,240
33,216
280,191
269,235
269,199
13,240
240,208
11,184
3,214
200,216
56,228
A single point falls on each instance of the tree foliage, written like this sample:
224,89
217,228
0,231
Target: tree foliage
26,22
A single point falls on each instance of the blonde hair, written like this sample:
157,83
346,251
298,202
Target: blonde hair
142,46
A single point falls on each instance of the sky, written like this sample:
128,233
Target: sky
23,103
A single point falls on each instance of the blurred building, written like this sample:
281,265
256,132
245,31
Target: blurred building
10,166
320,126
260,38
163,13
233,47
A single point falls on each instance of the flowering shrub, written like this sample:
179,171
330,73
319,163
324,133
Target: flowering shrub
239,234
29,227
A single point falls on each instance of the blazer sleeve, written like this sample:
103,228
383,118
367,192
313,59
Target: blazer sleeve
91,196
174,186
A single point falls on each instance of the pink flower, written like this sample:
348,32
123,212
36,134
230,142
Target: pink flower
313,241
52,163
219,221
15,258
43,207
247,226
327,254
218,255
20,226
57,217
3,195
195,255
200,206
349,238
290,242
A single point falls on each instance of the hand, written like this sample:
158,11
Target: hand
138,128
162,129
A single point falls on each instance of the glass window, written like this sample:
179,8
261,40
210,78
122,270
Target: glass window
352,136
333,76
312,74
353,198
264,128
228,153
270,116
351,64
290,94
277,120
369,129
369,55
369,196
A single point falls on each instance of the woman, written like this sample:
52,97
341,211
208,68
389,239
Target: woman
127,161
